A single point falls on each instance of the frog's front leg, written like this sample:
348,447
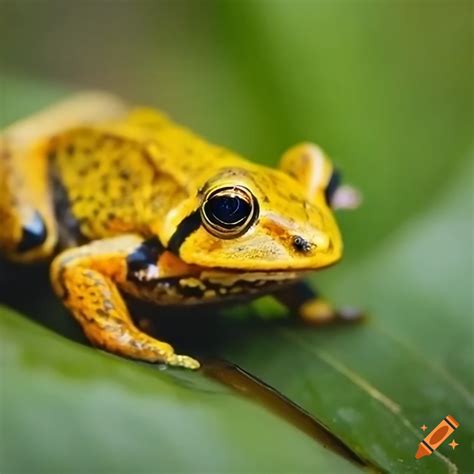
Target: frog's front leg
306,302
87,280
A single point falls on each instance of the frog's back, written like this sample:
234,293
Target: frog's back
116,177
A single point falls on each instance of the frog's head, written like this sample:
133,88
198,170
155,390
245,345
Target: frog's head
255,218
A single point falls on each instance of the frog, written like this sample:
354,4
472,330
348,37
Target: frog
123,202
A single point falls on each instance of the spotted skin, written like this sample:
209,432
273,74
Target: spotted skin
116,196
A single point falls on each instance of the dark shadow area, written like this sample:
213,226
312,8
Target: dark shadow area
202,331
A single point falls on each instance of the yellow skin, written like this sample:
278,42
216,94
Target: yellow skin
123,195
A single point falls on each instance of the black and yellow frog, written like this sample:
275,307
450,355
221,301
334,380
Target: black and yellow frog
124,201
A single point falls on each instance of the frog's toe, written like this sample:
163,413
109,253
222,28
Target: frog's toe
183,361
351,314
317,311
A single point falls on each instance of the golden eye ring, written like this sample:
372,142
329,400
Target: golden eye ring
228,212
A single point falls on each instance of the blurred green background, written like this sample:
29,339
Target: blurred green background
382,86
386,87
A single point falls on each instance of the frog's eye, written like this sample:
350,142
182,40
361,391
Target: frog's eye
229,212
339,196
333,185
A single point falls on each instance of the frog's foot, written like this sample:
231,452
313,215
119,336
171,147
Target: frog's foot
183,361
318,311
124,339
303,300
154,351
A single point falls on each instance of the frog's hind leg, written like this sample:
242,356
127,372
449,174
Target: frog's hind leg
27,223
87,279
311,308
28,229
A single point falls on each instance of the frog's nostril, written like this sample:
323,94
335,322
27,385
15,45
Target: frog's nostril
301,245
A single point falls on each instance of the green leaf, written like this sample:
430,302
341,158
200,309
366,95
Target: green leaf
385,88
69,408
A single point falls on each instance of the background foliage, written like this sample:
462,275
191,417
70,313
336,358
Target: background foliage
386,88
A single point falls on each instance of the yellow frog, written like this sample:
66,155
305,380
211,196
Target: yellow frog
129,202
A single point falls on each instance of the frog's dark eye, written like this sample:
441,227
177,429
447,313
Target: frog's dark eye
332,186
229,212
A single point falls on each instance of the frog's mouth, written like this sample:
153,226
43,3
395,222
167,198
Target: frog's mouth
172,281
212,284
232,277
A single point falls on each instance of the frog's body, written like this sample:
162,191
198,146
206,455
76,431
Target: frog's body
135,203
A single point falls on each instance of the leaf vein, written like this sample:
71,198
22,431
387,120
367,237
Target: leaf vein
367,387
